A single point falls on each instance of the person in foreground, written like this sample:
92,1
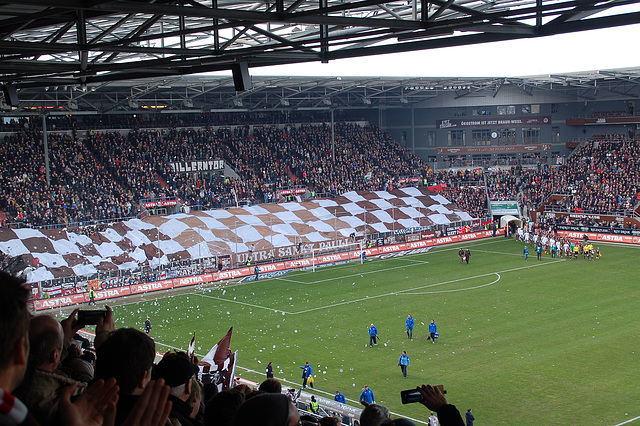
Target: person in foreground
267,409
177,370
93,407
96,406
434,399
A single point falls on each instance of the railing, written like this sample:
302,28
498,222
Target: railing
474,163
555,208
71,225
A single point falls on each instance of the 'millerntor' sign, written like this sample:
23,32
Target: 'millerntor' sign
197,166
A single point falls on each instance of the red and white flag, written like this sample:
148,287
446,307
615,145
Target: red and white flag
219,365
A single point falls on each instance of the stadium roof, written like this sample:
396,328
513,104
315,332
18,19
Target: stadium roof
207,93
48,43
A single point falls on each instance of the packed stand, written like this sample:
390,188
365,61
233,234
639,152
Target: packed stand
504,184
204,144
130,160
80,190
465,188
601,177
268,159
137,166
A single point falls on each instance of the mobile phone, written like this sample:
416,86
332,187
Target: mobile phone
413,395
410,395
91,317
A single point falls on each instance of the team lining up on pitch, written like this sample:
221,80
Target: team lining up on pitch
547,241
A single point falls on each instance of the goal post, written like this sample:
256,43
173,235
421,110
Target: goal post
341,253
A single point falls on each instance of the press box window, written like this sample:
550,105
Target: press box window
455,138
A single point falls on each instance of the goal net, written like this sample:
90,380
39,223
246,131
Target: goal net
343,253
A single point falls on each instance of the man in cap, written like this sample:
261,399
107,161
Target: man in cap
177,370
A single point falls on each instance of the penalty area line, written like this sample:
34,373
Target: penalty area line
399,292
242,303
362,273
454,290
347,302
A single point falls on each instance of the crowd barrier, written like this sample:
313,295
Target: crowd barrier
128,290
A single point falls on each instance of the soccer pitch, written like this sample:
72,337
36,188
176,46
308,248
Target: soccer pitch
552,341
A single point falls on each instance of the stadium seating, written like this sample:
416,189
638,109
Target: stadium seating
104,177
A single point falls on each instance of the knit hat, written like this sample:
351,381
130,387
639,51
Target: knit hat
176,369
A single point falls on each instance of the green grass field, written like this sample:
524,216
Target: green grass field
537,342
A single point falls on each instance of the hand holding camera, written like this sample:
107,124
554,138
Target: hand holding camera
91,317
431,396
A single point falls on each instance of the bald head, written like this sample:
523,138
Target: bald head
46,339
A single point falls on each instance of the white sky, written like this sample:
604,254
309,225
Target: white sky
609,48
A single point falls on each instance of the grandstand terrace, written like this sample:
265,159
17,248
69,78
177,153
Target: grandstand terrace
123,168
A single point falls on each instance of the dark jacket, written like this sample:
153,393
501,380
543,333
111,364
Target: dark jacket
469,418
124,407
181,411
448,415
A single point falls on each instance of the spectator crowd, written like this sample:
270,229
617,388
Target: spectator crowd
104,176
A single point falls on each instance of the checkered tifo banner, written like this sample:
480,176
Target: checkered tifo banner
56,302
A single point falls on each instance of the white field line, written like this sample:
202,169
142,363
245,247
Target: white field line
451,291
357,273
628,421
406,291
241,303
407,258
373,259
412,260
498,252
289,280
420,287
361,273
